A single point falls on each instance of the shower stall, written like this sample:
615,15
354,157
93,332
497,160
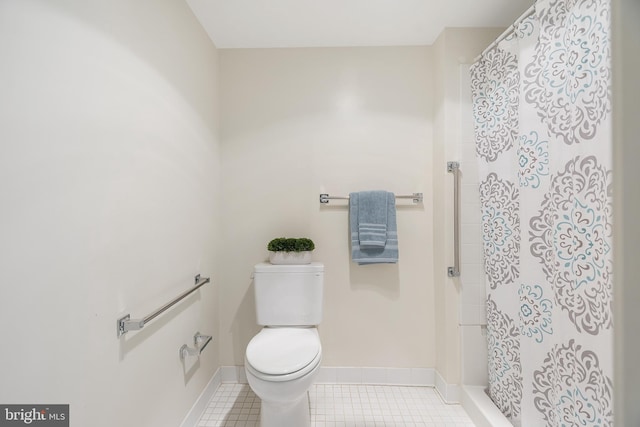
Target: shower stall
541,105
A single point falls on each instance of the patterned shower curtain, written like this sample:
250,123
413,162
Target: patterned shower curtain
542,110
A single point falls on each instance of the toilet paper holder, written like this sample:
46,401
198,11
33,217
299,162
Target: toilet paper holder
199,343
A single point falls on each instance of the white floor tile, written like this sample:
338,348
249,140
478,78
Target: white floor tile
342,405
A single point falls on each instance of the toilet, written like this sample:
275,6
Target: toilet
283,359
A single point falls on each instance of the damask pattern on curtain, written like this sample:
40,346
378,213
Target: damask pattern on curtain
542,110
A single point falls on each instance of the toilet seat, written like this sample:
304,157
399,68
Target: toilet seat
283,354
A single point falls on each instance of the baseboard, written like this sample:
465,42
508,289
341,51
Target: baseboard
352,375
233,374
196,411
376,376
450,393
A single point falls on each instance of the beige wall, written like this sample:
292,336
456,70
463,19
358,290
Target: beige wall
109,178
299,122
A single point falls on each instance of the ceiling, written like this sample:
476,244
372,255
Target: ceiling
331,23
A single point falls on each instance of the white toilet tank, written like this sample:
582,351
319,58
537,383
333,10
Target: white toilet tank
289,295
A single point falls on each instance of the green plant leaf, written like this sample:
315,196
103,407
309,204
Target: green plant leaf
290,244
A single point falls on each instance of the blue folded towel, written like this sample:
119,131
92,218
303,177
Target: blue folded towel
372,219
372,254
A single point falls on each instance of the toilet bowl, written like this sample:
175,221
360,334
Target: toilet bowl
281,364
283,359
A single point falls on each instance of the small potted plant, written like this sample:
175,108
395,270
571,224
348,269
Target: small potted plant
288,250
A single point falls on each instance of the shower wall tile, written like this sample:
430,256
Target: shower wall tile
471,194
473,274
470,165
473,315
472,278
471,232
474,341
470,213
470,253
472,294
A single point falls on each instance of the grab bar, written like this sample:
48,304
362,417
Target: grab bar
416,197
454,168
126,324
198,339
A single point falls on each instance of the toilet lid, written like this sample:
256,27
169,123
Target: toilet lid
280,351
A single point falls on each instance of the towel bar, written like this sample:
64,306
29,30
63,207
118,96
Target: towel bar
416,197
198,340
126,324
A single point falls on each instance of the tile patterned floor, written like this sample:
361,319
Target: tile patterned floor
343,405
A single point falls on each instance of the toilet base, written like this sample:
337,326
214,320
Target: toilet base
276,414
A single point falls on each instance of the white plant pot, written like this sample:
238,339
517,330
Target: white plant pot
303,257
